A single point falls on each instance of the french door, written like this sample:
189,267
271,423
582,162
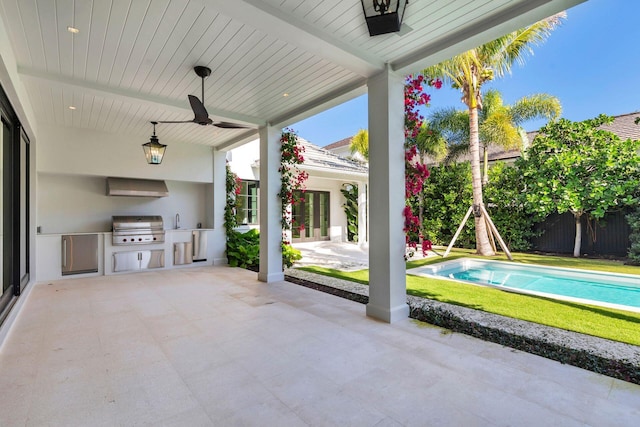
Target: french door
310,216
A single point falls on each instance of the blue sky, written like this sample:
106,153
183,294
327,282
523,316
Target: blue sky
591,63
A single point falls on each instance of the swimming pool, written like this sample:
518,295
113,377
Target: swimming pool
599,288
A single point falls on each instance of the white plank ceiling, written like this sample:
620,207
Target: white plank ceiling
132,60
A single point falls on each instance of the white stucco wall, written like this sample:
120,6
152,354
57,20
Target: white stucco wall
83,152
242,158
78,203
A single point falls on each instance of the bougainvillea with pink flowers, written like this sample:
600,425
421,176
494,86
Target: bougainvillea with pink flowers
416,172
293,179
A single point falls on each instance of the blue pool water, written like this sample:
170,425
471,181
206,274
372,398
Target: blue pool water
594,287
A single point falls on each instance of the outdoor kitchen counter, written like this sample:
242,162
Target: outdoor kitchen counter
49,252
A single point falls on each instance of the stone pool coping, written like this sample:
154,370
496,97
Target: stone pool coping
611,358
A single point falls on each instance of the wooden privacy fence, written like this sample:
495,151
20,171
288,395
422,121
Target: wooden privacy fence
610,236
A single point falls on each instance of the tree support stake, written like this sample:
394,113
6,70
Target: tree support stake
492,228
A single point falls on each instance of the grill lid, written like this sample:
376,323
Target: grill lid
133,223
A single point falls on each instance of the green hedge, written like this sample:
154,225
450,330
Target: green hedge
448,196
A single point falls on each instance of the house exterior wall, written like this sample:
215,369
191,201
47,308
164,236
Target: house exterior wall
242,159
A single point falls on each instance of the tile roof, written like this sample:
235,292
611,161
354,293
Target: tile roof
318,157
624,126
338,144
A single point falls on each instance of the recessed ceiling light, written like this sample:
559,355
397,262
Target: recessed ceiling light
285,94
71,107
73,30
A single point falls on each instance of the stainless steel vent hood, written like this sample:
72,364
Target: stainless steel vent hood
136,187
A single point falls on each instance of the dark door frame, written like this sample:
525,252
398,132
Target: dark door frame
316,235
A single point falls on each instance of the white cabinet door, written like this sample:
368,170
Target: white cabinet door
138,260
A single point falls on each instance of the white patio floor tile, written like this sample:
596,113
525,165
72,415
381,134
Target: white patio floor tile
213,346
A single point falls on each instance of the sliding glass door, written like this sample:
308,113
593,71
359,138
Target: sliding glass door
5,294
14,206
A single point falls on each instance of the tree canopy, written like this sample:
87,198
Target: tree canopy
498,124
580,168
360,143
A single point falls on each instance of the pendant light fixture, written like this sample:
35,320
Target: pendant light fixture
383,16
153,150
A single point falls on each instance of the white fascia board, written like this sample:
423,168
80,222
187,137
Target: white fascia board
333,174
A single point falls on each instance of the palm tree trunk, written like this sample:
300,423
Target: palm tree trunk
485,165
483,246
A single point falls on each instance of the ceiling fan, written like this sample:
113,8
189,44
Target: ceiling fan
200,113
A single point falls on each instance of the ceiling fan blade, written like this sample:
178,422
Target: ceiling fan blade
201,114
227,125
178,121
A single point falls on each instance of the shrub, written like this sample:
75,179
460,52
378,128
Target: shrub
633,219
350,193
505,199
290,255
447,196
243,249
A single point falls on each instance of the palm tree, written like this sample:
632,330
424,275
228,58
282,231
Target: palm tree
468,72
360,143
431,142
498,124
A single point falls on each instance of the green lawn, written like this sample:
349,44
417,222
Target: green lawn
603,322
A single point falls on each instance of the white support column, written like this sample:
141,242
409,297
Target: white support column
270,211
387,281
217,238
362,214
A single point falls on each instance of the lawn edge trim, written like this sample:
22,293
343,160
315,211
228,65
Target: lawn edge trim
443,315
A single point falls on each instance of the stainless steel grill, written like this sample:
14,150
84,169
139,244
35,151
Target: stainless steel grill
137,230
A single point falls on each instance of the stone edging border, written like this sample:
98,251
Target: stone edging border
611,358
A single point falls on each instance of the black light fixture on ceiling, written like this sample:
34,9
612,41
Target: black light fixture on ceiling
383,16
153,150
